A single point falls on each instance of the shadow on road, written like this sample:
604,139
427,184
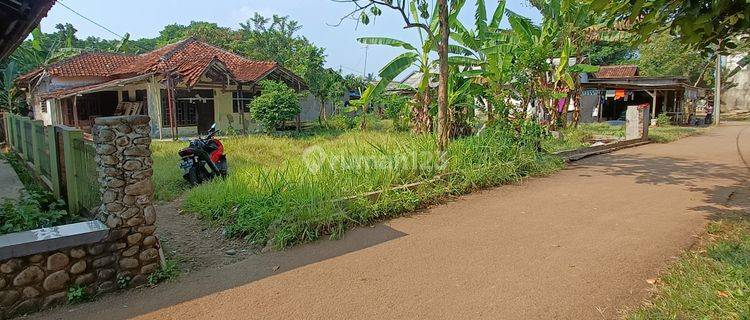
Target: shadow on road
730,200
127,304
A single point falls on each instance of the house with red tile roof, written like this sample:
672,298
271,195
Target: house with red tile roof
184,87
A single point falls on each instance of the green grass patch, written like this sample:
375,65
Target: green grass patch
288,190
665,134
581,137
710,283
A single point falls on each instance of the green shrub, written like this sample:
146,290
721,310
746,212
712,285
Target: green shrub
663,120
341,122
372,121
277,103
77,294
166,272
35,209
123,281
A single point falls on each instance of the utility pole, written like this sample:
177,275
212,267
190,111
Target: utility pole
364,72
717,94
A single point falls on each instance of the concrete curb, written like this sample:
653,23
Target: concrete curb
578,154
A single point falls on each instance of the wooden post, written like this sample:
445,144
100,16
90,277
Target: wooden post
75,111
653,105
36,141
717,92
54,166
241,106
71,157
299,114
7,128
23,145
171,106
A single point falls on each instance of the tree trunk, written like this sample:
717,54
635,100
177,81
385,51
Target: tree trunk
443,127
564,113
421,113
323,118
490,111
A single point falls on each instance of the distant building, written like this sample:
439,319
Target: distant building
211,85
608,92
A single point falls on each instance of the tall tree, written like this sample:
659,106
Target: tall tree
664,55
417,14
703,24
443,125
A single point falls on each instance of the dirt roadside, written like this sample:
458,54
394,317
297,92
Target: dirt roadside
577,245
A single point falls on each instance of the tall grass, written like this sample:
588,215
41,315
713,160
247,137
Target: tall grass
304,188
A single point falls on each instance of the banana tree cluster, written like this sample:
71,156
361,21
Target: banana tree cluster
501,72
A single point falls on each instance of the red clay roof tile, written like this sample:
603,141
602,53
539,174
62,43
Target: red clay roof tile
188,57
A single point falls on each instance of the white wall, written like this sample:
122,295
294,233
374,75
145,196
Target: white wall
737,98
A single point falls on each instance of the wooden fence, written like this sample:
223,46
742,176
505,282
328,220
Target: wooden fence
59,156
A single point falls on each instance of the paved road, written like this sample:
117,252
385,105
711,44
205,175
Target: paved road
576,245
10,185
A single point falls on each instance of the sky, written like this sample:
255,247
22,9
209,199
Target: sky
145,18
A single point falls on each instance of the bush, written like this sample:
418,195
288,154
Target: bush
34,210
372,121
663,120
77,294
276,103
340,122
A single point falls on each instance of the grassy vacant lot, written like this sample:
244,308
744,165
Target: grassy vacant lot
712,282
286,190
574,138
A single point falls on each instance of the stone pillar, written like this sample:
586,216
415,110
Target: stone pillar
127,191
637,122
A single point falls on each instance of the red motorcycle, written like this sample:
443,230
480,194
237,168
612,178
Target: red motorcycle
204,159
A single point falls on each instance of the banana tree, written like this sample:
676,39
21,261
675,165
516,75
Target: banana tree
491,53
8,95
532,63
417,56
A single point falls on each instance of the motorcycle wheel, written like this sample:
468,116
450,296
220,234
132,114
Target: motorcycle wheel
192,177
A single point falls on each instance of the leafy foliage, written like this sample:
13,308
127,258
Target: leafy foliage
705,25
663,55
276,103
33,211
77,294
341,122
166,272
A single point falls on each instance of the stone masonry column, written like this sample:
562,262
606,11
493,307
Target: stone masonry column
124,166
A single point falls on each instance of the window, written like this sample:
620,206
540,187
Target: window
125,95
244,101
43,106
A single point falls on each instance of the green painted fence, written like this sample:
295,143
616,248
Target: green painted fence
60,157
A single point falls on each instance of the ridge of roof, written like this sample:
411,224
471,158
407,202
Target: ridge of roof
186,57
